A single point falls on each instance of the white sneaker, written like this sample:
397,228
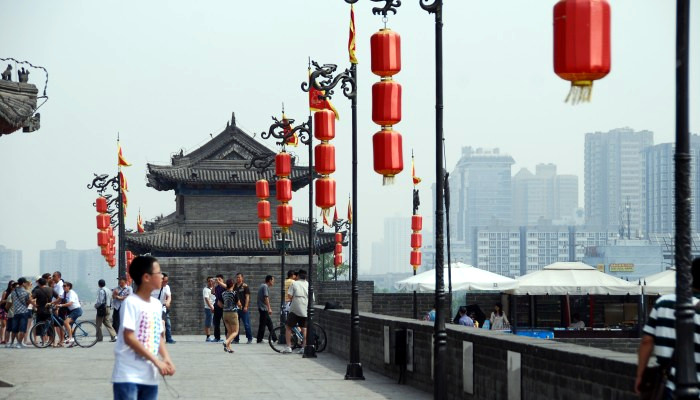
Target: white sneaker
18,346
300,351
287,350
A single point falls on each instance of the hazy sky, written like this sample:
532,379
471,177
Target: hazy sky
166,75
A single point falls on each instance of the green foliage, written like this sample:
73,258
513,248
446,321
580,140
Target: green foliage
325,270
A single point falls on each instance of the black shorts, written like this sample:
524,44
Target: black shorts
293,319
42,317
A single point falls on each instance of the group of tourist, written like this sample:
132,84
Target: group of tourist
229,300
21,304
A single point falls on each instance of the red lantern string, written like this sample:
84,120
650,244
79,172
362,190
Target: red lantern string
283,193
262,192
324,155
416,240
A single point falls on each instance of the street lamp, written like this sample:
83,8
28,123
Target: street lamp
348,81
102,183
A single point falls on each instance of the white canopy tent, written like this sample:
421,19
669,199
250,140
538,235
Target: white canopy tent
572,278
661,283
464,277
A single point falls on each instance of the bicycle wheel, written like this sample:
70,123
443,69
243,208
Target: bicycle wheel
42,334
320,339
85,334
281,343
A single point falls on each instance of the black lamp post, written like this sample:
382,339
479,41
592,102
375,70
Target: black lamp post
348,81
686,379
101,184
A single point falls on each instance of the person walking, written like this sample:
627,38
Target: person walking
265,309
231,307
74,311
244,298
165,297
659,337
119,294
103,305
219,289
140,339
299,292
20,302
208,308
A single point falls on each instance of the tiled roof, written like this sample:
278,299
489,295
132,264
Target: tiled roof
220,241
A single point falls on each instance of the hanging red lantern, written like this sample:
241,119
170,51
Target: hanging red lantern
283,164
262,189
103,221
581,44
386,52
101,205
102,238
264,209
388,154
338,237
416,240
284,216
265,231
283,190
325,193
417,222
104,251
386,103
112,263
324,125
416,258
324,157
338,260
338,248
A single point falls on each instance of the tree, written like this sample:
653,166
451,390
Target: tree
325,270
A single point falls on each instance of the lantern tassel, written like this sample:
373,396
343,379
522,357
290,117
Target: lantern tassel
388,180
580,92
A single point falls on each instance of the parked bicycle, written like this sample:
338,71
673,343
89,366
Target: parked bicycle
319,340
43,334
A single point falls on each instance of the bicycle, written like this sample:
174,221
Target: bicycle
297,338
84,332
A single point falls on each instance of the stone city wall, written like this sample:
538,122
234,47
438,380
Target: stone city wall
485,364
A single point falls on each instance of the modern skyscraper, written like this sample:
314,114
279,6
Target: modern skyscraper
544,196
87,266
10,263
613,183
659,184
481,193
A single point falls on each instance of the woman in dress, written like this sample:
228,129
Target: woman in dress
498,319
231,305
4,321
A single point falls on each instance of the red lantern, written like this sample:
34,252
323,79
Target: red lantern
386,52
416,240
339,237
103,221
284,216
337,260
283,164
416,223
338,248
102,238
101,205
416,258
386,103
283,190
264,209
325,193
265,231
388,154
324,155
105,251
324,125
112,263
262,189
581,44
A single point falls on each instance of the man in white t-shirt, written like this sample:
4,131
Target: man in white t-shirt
163,294
72,303
208,307
299,293
140,338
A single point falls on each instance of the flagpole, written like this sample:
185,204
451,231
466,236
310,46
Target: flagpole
121,261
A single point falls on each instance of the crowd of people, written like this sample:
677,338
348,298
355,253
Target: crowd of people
22,305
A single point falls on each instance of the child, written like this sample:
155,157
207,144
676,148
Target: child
141,337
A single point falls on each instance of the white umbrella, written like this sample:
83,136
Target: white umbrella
464,277
573,278
661,283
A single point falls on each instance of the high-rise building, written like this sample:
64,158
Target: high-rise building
10,263
659,184
77,266
393,253
480,192
613,183
543,196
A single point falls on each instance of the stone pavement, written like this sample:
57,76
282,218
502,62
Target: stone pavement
204,370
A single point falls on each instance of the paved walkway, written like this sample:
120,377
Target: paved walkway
204,370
